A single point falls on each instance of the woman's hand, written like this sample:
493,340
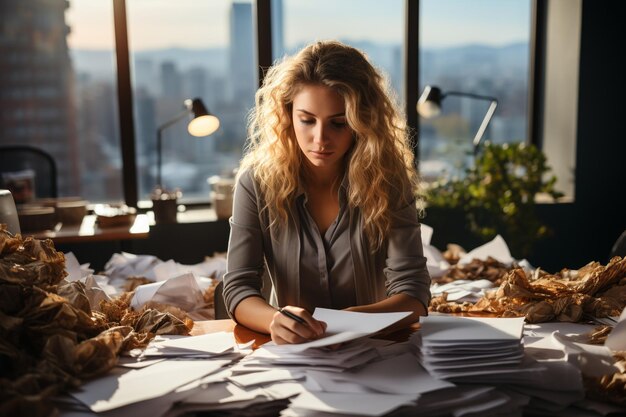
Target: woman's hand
285,330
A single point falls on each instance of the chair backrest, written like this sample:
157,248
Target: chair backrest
22,158
220,306
619,247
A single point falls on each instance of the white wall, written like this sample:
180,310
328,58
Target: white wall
561,90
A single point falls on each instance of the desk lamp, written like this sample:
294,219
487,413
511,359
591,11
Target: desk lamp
203,123
429,105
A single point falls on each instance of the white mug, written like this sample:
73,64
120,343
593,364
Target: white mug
8,212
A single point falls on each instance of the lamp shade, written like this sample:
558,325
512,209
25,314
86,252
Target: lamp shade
203,122
429,103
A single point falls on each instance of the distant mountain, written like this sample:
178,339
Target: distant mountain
101,63
474,60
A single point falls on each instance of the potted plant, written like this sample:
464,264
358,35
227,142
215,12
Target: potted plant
497,195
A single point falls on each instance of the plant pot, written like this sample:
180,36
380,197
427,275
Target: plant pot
165,210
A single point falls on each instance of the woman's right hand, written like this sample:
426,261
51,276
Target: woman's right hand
285,330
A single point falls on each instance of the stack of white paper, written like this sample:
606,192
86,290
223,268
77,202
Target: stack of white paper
308,369
342,327
347,356
471,349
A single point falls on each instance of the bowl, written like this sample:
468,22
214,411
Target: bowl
35,219
114,216
71,212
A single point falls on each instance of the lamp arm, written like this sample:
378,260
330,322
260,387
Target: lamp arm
471,95
490,111
160,141
483,126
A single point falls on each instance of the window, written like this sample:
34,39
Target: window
58,91
489,40
187,49
374,27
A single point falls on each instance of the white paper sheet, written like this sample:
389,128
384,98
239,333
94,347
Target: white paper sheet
593,361
496,248
122,387
224,393
274,375
463,289
397,375
426,234
122,265
453,329
72,267
182,291
344,326
617,338
211,343
325,382
346,356
354,404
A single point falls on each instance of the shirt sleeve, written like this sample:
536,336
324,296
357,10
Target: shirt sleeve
245,258
406,270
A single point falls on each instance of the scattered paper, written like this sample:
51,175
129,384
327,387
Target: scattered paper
72,267
370,404
122,387
496,248
397,375
463,289
182,291
617,338
593,361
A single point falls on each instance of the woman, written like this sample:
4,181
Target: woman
325,199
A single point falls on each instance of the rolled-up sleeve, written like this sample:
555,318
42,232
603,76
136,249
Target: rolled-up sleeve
405,269
245,259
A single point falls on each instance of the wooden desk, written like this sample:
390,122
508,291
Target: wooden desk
88,231
242,334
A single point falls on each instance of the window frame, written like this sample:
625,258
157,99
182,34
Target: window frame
263,29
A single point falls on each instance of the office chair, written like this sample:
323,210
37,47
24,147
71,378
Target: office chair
619,247
15,158
220,307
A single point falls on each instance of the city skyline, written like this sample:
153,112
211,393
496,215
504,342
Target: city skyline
224,76
480,19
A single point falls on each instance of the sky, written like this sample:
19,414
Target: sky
155,24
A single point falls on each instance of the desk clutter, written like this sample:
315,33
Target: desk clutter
45,214
114,215
119,344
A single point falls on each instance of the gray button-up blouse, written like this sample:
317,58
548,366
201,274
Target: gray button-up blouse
336,270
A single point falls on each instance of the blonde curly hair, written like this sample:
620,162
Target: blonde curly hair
381,171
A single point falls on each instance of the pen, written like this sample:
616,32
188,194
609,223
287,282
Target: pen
291,315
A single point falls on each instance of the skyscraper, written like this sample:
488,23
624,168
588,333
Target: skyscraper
37,84
278,37
171,83
242,65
